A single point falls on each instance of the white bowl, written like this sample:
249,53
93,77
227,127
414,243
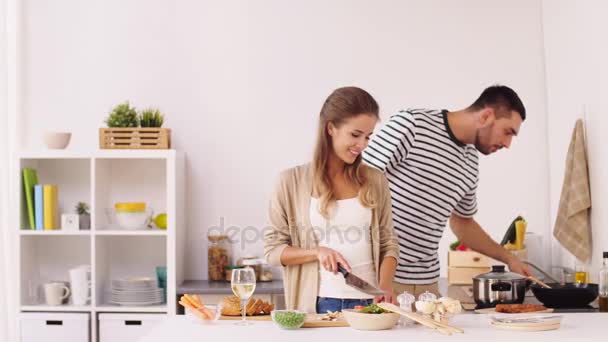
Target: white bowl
215,309
57,140
368,321
130,220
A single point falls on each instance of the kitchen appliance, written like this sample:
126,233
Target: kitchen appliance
498,287
358,283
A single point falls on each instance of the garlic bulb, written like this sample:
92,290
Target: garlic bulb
426,308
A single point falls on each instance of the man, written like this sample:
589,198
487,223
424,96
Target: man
430,158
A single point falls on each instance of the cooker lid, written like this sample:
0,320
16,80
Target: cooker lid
499,273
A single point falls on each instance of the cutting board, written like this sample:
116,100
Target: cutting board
314,321
493,311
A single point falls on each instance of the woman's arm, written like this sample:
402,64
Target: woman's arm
327,257
389,247
387,274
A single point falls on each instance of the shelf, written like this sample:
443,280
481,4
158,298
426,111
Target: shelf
54,232
68,154
61,308
120,308
148,232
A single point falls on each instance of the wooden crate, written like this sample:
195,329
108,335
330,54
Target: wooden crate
468,259
135,138
464,275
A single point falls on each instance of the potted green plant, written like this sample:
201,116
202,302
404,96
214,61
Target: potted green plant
84,217
129,130
123,115
151,117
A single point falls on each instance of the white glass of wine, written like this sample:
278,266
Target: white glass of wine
243,286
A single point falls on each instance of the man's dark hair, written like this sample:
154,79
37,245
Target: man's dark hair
503,99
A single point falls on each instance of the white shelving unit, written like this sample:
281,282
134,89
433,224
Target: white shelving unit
101,178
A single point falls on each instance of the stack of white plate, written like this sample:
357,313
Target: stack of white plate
135,292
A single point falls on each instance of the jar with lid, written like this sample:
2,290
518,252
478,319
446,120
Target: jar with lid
261,268
229,270
218,256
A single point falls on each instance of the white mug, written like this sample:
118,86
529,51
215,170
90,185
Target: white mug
55,293
81,285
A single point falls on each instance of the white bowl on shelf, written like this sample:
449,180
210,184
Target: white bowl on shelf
130,220
57,140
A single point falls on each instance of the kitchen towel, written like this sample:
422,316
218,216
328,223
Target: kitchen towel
572,226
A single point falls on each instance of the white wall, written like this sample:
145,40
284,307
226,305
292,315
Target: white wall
242,83
576,55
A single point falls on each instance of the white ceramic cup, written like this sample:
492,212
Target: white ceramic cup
55,293
81,285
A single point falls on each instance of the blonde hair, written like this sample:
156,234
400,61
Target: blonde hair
341,105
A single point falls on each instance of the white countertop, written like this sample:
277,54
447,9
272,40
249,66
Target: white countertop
575,327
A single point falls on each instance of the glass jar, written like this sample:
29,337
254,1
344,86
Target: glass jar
229,270
252,262
218,256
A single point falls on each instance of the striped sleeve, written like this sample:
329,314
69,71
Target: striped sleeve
391,144
467,206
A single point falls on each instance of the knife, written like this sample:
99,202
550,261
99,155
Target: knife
358,283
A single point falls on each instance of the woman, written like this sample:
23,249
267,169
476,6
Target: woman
334,211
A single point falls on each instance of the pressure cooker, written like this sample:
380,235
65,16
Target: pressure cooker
499,287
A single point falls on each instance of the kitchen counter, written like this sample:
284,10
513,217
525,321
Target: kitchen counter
575,327
223,287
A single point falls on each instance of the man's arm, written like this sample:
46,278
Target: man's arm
472,235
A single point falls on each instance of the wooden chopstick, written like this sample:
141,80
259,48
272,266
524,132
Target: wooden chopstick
539,282
441,327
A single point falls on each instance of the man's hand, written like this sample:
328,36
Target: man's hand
515,265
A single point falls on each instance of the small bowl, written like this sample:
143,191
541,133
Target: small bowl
288,319
130,220
368,321
57,140
216,310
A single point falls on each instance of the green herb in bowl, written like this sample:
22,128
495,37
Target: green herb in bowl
288,319
373,309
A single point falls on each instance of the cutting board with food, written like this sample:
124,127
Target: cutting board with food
515,309
328,320
256,309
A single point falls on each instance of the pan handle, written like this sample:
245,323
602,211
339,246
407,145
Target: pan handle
546,274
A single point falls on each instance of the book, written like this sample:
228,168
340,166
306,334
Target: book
30,178
38,207
50,198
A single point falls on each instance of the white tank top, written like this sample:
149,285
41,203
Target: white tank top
348,232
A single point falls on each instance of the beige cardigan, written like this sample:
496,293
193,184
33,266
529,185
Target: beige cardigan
289,225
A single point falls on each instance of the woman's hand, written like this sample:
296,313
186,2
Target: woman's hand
388,296
329,259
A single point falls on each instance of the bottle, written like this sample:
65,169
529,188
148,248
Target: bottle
603,284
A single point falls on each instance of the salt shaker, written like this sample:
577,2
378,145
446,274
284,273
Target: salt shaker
427,297
405,300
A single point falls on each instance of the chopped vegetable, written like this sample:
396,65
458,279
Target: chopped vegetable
373,309
289,319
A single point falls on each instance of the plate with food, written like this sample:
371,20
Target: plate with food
526,322
515,309
256,309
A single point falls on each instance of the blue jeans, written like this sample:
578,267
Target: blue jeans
338,304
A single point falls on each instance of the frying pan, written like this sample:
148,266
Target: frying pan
568,295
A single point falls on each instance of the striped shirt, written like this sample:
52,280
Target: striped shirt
431,175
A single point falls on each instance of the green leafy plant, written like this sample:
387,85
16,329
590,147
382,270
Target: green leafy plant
123,115
82,208
151,118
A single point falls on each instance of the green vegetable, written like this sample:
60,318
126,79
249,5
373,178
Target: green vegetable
373,309
454,245
289,319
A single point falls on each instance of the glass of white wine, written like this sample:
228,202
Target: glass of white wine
243,286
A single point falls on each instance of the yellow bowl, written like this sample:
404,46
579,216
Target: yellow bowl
130,207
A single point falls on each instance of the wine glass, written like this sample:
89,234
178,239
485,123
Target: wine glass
243,285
